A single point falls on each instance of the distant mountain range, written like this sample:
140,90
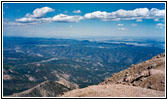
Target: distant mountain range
28,62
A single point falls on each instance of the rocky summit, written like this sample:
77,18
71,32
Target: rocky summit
148,74
146,79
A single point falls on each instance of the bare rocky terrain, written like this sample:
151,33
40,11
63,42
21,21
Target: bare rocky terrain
149,74
113,90
146,79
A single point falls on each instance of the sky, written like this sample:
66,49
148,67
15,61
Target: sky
68,20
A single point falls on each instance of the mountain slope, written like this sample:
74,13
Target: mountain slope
146,79
149,74
45,89
113,90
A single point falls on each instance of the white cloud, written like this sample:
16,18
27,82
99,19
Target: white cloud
120,24
97,14
136,14
36,16
160,25
76,11
57,18
27,19
40,12
133,24
122,28
157,12
66,18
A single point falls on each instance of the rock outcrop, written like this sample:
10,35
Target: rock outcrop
149,74
146,79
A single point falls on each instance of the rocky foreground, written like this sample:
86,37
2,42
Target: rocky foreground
146,79
149,74
114,90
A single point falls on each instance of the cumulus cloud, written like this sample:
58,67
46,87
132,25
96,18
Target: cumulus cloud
136,14
40,12
57,18
76,11
120,24
38,15
160,25
133,24
97,14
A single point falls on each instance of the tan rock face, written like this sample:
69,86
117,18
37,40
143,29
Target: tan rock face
156,71
148,74
113,90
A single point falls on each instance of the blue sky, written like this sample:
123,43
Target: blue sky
83,19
